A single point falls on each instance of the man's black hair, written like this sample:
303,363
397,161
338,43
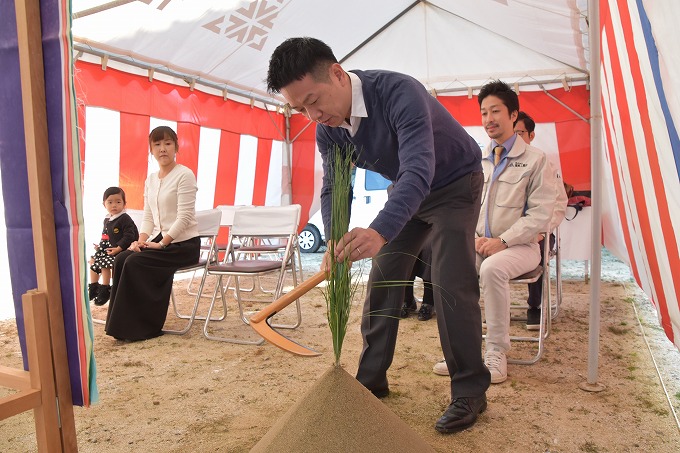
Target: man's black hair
503,92
295,58
529,122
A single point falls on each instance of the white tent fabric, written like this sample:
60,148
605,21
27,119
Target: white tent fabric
452,47
446,44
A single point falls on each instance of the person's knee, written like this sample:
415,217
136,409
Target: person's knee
489,272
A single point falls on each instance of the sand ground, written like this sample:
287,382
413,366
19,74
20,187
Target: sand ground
186,393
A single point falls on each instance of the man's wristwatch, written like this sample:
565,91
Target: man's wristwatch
503,241
162,245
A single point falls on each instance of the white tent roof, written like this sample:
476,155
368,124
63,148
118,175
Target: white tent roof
449,45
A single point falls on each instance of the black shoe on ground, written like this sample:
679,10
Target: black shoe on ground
407,309
103,295
461,414
533,319
425,312
92,290
381,393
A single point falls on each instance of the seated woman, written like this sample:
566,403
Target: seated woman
143,274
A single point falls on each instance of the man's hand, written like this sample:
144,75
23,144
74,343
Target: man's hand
479,242
358,244
490,246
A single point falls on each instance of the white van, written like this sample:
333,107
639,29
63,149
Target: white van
370,195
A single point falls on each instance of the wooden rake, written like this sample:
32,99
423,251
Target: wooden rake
260,320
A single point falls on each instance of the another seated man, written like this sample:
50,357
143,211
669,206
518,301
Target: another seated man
518,199
525,127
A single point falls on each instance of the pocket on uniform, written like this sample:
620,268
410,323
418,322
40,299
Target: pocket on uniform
512,189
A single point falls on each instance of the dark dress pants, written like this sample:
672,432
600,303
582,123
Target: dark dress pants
447,218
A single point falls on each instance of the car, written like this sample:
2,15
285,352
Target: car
370,195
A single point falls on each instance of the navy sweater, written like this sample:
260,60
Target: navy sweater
409,138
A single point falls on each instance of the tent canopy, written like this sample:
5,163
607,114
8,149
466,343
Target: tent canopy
449,45
453,47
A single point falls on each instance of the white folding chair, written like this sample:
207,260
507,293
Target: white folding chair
258,224
226,221
208,228
546,318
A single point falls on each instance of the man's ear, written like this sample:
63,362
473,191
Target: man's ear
337,73
532,134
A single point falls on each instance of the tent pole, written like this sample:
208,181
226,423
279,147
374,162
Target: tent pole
596,194
288,166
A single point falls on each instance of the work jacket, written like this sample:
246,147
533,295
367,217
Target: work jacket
519,203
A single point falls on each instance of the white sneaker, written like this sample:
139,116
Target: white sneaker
440,368
497,364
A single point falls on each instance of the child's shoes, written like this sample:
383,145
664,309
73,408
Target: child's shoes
92,290
103,295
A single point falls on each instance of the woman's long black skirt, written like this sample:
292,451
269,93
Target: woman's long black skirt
142,284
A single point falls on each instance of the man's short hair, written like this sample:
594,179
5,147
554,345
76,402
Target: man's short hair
503,92
294,58
529,122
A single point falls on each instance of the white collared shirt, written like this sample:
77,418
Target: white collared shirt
358,106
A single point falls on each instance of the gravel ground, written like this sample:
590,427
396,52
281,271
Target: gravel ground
664,354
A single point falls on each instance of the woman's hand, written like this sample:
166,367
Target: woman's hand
136,246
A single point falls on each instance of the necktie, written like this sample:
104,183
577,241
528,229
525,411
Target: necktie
497,154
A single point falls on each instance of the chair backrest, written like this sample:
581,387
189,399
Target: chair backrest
209,222
228,212
266,221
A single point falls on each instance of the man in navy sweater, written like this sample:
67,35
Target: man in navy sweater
403,133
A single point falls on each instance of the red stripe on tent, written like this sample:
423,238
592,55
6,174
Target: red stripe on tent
303,176
651,153
609,129
541,107
227,170
264,155
629,148
573,138
189,137
134,157
117,90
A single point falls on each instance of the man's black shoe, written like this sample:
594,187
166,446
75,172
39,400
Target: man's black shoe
461,414
533,319
425,312
407,309
381,393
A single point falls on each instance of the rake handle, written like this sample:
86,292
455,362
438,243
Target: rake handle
288,298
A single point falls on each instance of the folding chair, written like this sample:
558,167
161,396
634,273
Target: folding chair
226,221
208,228
258,223
545,320
252,248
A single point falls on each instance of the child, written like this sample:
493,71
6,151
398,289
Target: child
119,232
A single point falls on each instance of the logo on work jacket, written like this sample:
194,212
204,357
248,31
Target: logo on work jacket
517,164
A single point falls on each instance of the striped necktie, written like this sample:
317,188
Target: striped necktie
497,151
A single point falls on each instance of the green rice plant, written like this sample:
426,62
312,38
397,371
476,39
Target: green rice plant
340,289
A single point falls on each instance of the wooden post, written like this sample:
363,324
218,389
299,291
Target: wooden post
42,213
36,389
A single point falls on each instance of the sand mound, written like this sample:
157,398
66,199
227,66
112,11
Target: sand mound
338,414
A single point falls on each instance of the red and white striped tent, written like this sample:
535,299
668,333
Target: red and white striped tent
194,64
200,67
